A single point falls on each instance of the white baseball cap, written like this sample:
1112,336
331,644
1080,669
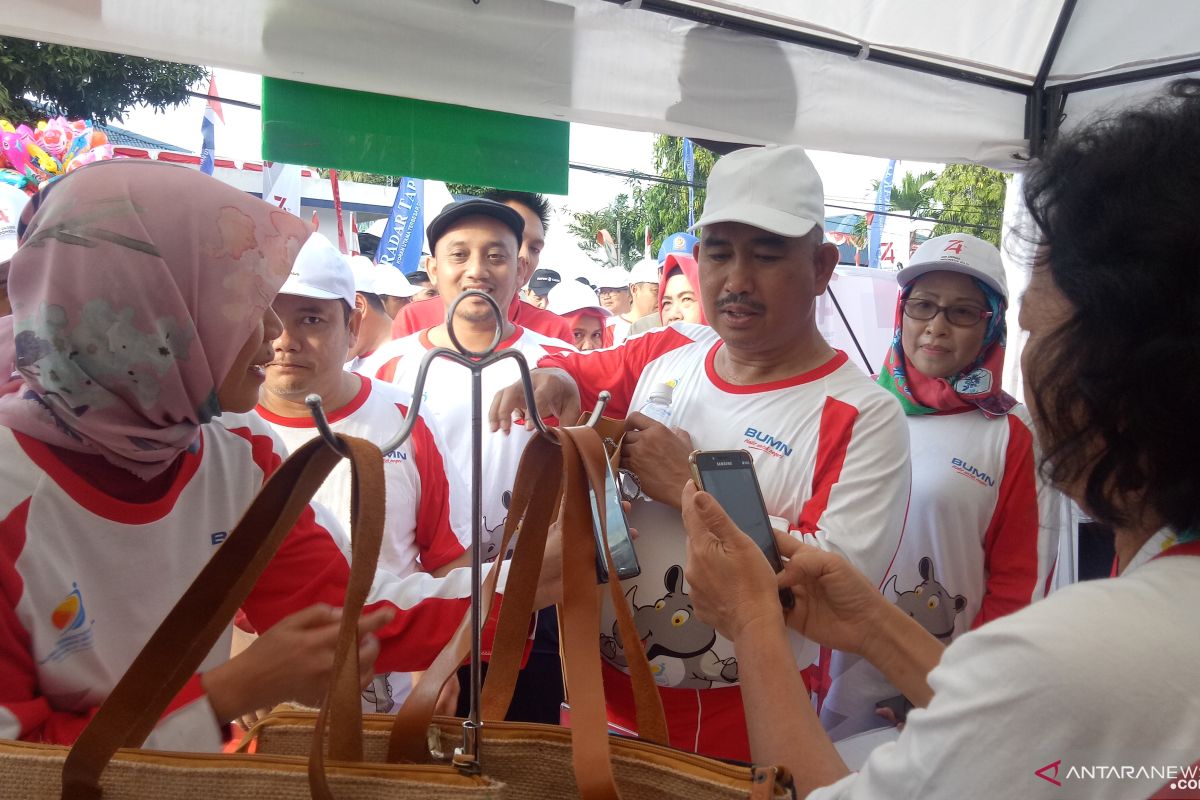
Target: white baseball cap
645,271
321,272
364,273
775,188
957,252
613,278
571,296
391,282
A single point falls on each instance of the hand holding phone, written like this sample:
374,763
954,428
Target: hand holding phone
620,542
728,475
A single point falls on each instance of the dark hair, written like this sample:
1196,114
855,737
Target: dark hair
374,301
536,203
1115,387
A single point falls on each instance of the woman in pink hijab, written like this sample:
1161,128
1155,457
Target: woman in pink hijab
141,322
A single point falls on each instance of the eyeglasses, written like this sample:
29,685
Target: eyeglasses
959,316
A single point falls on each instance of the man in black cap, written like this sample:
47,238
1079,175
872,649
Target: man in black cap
475,245
540,284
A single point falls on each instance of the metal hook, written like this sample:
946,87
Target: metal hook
476,362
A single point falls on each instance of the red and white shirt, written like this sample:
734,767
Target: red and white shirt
830,451
973,548
428,521
447,400
85,579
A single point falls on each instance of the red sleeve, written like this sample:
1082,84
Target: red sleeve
311,568
547,323
616,369
418,316
387,372
436,539
24,712
1011,542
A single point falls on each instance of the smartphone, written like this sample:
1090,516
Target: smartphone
728,475
620,543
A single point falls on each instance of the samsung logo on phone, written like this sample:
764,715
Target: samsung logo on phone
770,442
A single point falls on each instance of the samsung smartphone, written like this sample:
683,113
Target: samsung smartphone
620,543
728,475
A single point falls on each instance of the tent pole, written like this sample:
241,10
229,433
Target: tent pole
1042,121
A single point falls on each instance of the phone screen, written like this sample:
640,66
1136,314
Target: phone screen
729,478
620,543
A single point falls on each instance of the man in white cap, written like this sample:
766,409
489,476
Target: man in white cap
830,447
643,289
375,327
393,289
316,306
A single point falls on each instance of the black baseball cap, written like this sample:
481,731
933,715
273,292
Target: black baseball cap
543,281
473,206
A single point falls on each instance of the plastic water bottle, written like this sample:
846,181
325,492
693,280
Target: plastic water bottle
658,407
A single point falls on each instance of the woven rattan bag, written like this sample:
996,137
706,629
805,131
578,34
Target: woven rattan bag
544,762
106,762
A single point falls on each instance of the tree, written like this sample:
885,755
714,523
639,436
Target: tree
914,195
469,189
662,206
666,205
621,215
970,199
85,84
354,176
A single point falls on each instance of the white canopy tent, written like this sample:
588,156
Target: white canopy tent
974,80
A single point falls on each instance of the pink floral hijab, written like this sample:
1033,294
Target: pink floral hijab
136,285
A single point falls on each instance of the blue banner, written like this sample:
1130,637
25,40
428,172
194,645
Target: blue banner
689,171
401,242
883,200
209,147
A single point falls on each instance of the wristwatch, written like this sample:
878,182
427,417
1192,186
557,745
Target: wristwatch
629,486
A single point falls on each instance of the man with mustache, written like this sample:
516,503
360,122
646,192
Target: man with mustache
830,448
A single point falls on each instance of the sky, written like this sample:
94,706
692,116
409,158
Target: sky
847,178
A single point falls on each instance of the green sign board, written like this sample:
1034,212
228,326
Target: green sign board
342,129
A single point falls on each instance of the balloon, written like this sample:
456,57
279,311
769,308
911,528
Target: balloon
11,177
14,151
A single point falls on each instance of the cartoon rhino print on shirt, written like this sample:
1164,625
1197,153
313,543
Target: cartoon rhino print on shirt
929,603
495,534
669,627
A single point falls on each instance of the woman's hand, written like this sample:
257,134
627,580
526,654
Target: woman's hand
290,662
836,606
730,582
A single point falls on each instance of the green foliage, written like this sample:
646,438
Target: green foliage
360,177
467,189
914,195
662,206
619,215
85,84
665,205
970,199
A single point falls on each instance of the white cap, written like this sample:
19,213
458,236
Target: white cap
321,272
391,282
775,188
12,203
364,273
613,278
645,271
571,296
957,252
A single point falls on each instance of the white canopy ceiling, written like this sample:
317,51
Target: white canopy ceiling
647,65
